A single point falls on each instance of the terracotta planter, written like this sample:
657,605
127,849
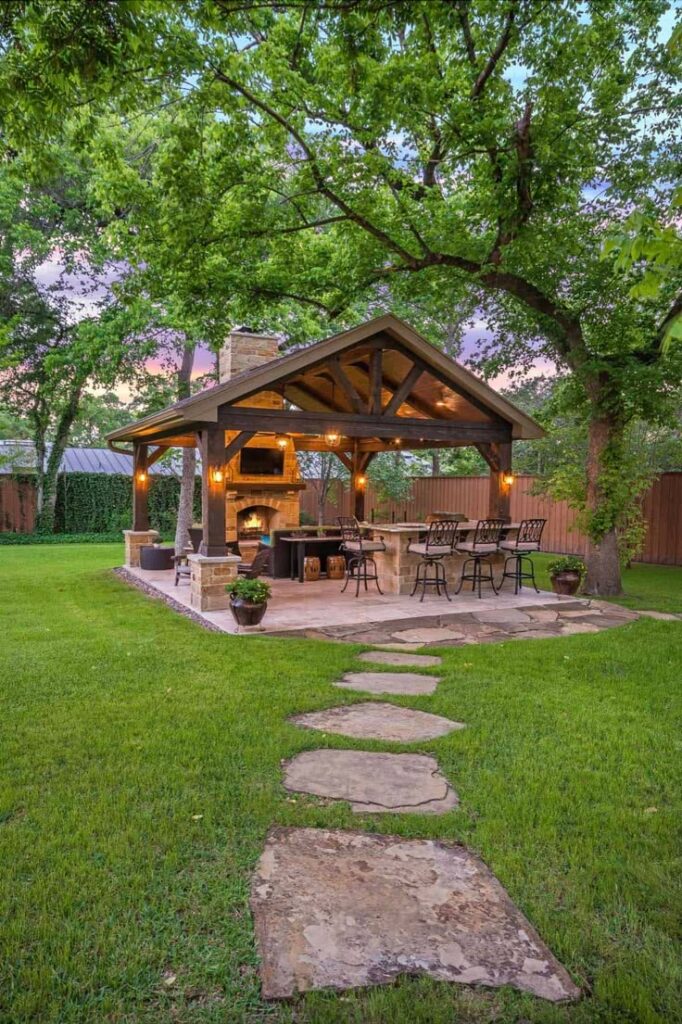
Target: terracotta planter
566,583
246,613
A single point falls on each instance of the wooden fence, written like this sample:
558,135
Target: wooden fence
469,494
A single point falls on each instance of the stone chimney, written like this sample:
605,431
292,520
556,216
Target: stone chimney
244,350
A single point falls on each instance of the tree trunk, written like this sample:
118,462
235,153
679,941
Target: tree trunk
189,459
45,515
435,462
603,561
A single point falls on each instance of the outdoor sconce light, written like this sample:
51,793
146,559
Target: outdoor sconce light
396,440
508,479
141,476
332,438
217,476
282,441
361,481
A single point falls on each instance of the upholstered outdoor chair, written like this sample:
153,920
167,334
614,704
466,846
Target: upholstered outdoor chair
485,543
438,545
359,551
519,549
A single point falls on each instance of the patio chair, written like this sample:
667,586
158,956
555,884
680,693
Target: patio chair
438,545
520,548
259,566
360,565
485,543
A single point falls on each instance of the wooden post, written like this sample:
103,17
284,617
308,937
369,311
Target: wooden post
140,487
212,446
499,459
358,489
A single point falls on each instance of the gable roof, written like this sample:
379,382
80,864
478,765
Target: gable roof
203,407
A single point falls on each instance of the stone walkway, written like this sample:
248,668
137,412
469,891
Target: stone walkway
488,626
339,909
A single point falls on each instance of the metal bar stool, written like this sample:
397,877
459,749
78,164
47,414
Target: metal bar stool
485,543
360,564
438,544
526,541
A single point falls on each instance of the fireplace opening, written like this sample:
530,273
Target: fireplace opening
255,523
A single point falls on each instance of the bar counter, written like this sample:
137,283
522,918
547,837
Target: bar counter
397,567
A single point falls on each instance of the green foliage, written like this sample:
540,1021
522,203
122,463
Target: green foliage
23,539
254,591
102,503
567,563
391,476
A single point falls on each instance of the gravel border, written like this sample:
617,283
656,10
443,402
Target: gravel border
152,592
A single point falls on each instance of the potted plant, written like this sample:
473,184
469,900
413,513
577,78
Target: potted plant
566,574
248,600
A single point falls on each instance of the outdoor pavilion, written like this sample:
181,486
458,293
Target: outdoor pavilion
364,391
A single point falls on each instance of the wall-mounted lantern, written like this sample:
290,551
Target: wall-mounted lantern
216,476
507,479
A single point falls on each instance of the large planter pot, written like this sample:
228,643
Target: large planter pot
246,613
566,583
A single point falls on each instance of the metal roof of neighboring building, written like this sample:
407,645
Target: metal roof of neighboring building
19,456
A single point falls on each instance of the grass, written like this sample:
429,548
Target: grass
653,587
141,761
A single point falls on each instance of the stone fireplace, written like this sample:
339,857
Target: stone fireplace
263,485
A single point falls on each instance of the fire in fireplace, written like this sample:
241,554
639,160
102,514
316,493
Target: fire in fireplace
255,522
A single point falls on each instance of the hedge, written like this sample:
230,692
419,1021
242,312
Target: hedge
103,503
11,539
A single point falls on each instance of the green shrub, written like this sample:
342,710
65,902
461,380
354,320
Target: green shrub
567,563
255,591
10,539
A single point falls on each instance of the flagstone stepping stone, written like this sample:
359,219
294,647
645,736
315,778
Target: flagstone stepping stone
501,616
411,683
342,909
377,721
662,616
374,783
397,658
429,634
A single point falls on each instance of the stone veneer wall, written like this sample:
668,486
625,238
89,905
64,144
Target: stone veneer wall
287,507
134,540
208,577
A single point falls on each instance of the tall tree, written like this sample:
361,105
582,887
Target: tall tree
61,330
469,150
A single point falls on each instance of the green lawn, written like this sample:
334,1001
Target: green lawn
656,587
141,756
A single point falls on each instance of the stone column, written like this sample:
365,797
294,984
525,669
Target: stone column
208,578
134,540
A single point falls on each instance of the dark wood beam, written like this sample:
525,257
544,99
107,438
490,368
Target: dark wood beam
299,391
351,425
342,457
140,487
444,379
499,458
375,381
403,390
236,444
156,454
339,376
212,445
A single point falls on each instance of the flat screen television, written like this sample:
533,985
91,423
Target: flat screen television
262,462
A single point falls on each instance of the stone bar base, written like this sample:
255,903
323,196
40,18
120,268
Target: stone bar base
208,578
397,567
134,540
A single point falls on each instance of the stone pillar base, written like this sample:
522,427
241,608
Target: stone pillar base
208,578
136,539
